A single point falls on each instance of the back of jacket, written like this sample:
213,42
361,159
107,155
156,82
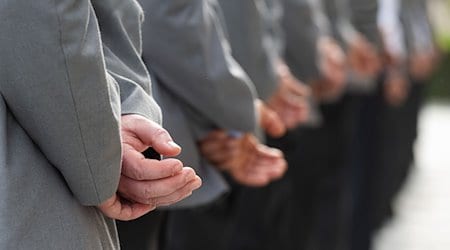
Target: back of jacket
304,23
251,41
418,32
199,84
60,107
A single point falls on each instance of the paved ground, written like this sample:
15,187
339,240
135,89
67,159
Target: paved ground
422,220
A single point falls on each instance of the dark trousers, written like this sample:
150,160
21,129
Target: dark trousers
202,228
385,139
321,162
263,217
304,210
143,233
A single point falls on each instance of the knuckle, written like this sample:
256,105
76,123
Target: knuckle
180,196
138,173
152,203
149,192
160,132
175,165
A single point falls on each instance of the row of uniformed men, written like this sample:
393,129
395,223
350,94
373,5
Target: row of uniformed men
350,135
315,76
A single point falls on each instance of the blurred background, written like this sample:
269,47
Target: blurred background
422,218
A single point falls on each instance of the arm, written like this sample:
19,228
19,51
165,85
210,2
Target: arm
419,39
120,26
191,57
338,14
251,43
364,18
144,183
58,89
304,24
391,28
311,54
274,27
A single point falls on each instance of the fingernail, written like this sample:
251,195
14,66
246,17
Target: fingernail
173,145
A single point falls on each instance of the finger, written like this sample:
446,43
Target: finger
132,211
272,124
136,167
207,148
153,135
260,168
269,152
302,114
252,178
278,169
180,194
216,135
298,88
117,208
292,123
271,169
218,146
293,101
222,157
293,117
146,191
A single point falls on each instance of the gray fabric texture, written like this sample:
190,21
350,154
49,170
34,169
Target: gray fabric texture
418,33
304,23
252,42
199,84
60,107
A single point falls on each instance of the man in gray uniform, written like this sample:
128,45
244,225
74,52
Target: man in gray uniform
201,88
423,57
60,153
357,30
399,103
390,118
254,28
322,154
316,153
255,43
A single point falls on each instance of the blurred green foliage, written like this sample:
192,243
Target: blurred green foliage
440,82
439,87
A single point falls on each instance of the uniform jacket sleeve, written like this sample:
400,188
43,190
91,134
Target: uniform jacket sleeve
418,32
120,25
274,25
56,85
304,23
391,27
338,13
364,18
251,42
186,48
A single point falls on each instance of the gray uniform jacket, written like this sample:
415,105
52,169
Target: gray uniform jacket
348,16
200,86
364,18
418,33
59,110
252,41
304,23
338,14
274,25
391,28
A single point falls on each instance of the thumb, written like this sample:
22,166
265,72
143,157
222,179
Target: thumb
271,122
152,135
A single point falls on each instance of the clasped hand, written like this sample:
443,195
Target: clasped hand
146,184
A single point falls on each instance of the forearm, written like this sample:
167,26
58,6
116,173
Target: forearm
58,89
